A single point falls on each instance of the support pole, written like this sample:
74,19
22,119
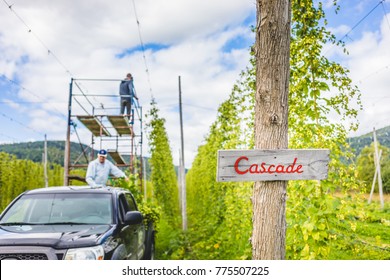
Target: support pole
375,176
378,170
142,162
132,155
144,175
182,166
45,163
67,143
180,180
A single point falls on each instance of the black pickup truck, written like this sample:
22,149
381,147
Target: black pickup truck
75,223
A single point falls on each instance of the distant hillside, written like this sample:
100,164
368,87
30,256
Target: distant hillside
358,143
34,151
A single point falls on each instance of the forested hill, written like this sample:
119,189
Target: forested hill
34,150
383,137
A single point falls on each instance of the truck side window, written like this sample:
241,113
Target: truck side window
123,207
130,202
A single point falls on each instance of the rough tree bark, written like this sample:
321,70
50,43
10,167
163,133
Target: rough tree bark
272,50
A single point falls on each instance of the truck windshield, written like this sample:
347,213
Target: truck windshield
66,208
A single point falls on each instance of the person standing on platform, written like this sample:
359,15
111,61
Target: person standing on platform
127,92
99,170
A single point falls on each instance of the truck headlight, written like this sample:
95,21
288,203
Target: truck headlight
87,253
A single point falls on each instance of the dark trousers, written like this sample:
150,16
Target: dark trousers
125,103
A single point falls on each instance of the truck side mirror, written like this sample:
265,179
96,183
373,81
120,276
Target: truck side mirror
133,218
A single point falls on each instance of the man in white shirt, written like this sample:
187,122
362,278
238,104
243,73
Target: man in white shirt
99,170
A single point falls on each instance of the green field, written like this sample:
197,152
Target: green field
371,238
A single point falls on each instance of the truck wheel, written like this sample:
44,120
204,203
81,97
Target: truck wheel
149,243
119,253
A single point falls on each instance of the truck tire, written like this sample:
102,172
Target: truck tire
119,253
149,243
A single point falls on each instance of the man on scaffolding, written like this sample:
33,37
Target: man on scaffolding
127,92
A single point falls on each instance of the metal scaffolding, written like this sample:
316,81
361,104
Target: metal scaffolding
99,112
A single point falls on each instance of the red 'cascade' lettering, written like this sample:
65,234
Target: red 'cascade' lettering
254,168
262,168
236,165
269,169
280,169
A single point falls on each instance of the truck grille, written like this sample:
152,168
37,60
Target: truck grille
23,257
30,253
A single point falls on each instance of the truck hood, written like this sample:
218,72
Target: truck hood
55,236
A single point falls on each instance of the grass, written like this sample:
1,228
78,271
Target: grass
376,198
371,239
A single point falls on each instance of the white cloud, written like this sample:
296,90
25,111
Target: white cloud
340,30
369,63
86,37
93,39
11,103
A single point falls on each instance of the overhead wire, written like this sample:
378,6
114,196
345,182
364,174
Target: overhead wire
147,74
361,20
18,85
375,100
143,49
37,37
385,12
346,35
21,124
31,92
49,51
387,66
374,73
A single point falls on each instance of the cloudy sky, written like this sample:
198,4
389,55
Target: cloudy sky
43,44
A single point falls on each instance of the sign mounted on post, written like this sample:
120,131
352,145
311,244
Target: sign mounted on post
272,165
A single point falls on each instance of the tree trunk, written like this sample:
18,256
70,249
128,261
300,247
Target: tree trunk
272,50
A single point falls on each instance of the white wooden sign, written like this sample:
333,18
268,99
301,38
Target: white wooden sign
272,165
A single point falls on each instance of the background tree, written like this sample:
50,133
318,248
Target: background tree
17,176
366,167
163,179
319,88
219,214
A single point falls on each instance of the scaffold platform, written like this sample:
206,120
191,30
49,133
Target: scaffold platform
121,124
94,125
116,156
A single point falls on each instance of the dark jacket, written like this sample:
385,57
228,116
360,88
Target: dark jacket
126,89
